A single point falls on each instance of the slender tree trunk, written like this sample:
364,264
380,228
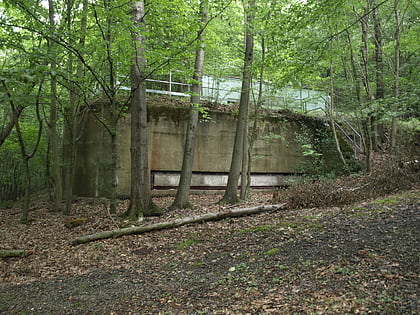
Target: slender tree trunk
335,136
245,174
140,196
253,130
114,164
331,114
368,121
396,72
182,194
26,176
231,213
13,119
355,75
72,111
113,110
26,157
364,55
54,141
68,131
380,88
231,195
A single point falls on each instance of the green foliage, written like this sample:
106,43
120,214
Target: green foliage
272,251
11,177
301,41
187,244
322,157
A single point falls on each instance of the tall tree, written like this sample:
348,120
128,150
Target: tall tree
26,157
53,134
182,194
140,195
396,70
231,192
72,108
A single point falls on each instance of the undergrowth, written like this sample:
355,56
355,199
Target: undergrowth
389,178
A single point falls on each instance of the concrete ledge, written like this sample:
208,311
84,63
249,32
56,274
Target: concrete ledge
215,181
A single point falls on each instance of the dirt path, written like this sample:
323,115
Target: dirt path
362,259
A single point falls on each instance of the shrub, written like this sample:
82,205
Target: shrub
391,177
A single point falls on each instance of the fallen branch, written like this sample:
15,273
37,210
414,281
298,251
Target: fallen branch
175,223
6,253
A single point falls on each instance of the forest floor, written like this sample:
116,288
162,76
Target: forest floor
358,259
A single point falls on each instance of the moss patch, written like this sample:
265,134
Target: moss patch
75,222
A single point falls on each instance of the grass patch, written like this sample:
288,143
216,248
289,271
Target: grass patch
199,264
272,251
301,225
187,244
387,201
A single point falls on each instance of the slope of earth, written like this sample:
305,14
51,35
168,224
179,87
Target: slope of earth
362,259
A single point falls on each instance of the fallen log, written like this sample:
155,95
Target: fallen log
176,223
6,253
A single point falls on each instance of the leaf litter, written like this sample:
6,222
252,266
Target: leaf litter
358,259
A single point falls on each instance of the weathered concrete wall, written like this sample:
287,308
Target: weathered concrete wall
275,151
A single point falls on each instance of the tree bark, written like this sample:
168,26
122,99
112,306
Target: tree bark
183,191
176,223
396,72
364,54
231,195
140,195
72,111
16,111
368,121
53,135
355,75
26,157
253,130
15,253
380,88
379,69
331,114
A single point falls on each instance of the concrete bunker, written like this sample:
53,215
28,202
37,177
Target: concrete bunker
276,153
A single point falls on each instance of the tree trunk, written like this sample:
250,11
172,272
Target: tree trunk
231,195
182,194
331,114
396,72
53,135
6,253
27,187
140,195
26,157
176,223
253,130
380,88
114,164
364,54
368,121
113,109
245,179
72,111
13,120
355,75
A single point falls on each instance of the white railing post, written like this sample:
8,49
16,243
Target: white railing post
170,83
